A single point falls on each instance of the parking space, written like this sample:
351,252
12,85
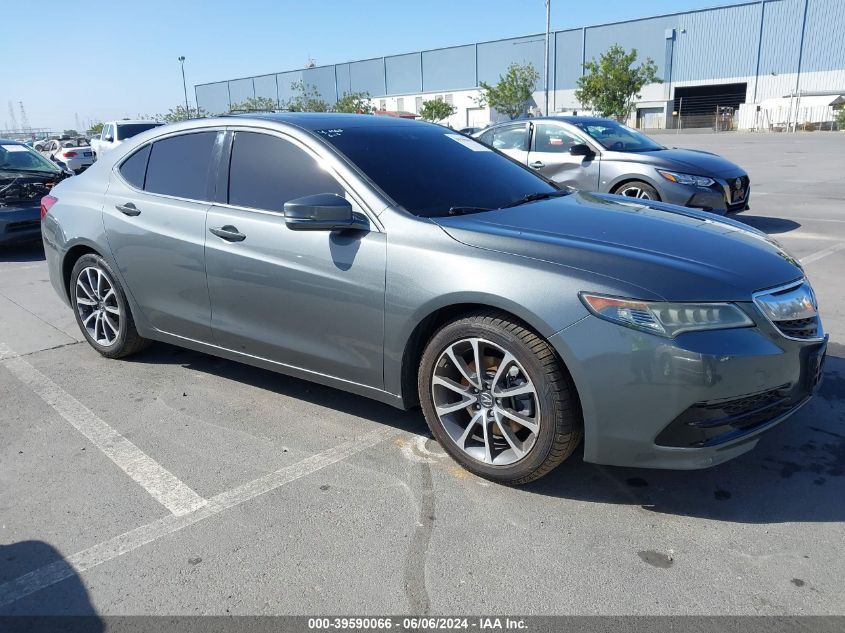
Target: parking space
176,482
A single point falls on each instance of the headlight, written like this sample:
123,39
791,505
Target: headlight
664,318
686,179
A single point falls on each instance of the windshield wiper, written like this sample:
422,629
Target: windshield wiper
467,210
531,197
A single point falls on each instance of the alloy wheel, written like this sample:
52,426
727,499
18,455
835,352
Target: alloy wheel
633,191
98,306
486,401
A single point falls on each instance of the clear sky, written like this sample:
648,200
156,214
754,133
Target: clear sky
102,60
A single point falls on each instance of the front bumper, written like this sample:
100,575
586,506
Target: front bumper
20,224
718,198
690,402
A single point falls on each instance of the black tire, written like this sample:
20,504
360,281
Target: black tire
127,341
647,191
560,424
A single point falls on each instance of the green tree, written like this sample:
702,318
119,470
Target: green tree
613,83
306,98
354,102
179,113
512,92
840,118
255,104
95,129
436,110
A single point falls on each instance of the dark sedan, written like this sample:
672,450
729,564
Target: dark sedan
25,177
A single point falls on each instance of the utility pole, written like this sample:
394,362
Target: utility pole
24,119
12,116
546,59
185,87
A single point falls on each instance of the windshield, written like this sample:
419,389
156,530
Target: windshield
14,157
429,169
128,130
617,137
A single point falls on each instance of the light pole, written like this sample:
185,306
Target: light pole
185,87
546,59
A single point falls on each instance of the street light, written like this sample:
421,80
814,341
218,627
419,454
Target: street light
185,87
546,60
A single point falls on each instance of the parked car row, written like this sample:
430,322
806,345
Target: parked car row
412,264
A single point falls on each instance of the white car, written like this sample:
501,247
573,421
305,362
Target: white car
73,154
115,132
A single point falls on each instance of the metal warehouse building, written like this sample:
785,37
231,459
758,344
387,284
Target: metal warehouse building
758,64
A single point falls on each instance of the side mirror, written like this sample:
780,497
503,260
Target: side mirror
109,139
322,212
581,149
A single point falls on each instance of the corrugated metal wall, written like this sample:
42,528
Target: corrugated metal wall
759,42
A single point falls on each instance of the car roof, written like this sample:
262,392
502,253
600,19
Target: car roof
11,142
594,120
322,120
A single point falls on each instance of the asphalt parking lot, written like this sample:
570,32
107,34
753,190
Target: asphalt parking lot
175,482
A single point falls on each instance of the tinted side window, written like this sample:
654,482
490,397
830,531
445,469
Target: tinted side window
134,168
487,137
512,137
552,138
266,171
179,166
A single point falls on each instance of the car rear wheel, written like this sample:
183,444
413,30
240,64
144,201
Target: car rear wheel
637,189
101,309
496,399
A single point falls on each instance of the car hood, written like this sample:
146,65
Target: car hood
689,161
675,253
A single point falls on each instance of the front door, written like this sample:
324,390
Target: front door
550,156
154,214
313,300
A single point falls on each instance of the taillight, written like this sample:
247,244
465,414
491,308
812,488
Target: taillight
69,154
46,203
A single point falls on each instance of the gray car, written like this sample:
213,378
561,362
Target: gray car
602,155
408,263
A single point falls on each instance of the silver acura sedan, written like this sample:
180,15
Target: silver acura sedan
411,264
595,154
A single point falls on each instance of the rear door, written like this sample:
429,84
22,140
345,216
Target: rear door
550,156
154,214
308,299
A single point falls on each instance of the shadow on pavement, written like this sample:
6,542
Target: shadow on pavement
28,252
772,226
66,598
796,473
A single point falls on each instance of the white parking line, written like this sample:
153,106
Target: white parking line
814,257
163,485
52,573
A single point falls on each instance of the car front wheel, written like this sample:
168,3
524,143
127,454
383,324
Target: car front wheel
637,189
495,397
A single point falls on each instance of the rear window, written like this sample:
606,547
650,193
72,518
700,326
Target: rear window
128,130
179,166
134,168
428,169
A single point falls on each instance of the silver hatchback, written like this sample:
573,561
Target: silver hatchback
602,155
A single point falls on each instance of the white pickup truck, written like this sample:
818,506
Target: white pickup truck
115,132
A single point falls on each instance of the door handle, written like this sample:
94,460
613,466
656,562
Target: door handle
537,164
228,233
128,209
